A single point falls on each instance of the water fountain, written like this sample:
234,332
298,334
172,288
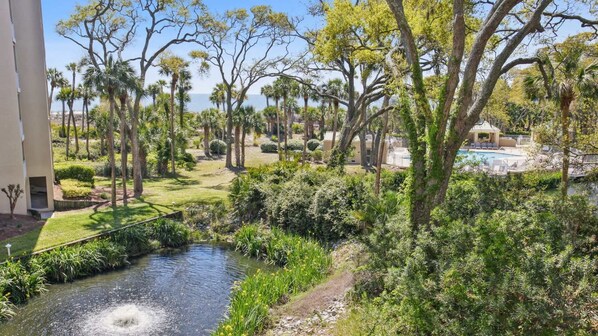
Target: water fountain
126,319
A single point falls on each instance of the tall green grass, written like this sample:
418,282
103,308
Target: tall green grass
304,263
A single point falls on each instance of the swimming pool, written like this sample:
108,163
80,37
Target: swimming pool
486,155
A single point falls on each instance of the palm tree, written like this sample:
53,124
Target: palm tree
276,95
161,84
268,92
208,119
288,88
153,90
62,96
172,66
56,80
245,120
74,68
87,95
335,88
306,92
182,94
218,95
109,81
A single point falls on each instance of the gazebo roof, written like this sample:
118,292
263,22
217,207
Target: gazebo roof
484,127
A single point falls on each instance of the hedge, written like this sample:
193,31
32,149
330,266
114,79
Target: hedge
76,172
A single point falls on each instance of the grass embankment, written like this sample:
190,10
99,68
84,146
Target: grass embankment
208,181
304,263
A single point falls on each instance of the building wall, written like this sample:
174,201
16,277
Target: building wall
25,146
31,65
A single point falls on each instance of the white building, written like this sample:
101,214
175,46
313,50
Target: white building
25,144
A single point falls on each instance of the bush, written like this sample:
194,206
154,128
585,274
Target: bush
170,233
69,263
135,240
317,155
313,144
538,180
6,308
294,145
331,211
269,147
76,172
305,263
297,128
209,215
105,170
274,138
74,189
521,271
18,284
217,147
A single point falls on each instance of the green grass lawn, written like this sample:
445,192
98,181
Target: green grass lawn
209,181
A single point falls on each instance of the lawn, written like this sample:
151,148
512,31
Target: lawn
209,181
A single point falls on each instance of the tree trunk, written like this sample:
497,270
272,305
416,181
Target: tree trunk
123,149
363,149
229,130
334,123
206,140
139,162
68,133
305,128
63,128
278,132
565,105
50,100
243,134
172,136
111,152
286,128
87,134
380,154
237,144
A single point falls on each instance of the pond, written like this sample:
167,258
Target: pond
176,293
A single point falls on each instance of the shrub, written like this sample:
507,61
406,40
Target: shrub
313,144
72,189
217,147
393,180
274,138
290,208
305,263
298,128
294,145
69,263
538,180
269,147
18,283
209,215
6,308
76,172
170,233
331,211
135,240
317,155
507,272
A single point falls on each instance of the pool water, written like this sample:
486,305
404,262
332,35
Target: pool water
183,292
488,156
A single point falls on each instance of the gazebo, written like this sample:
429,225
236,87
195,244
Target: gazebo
483,132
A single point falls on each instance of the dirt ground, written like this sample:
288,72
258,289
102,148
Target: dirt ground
15,227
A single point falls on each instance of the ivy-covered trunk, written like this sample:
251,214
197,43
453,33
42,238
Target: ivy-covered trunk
565,106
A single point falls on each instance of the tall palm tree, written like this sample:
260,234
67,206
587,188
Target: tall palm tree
268,92
276,95
208,119
182,94
62,96
172,66
87,95
306,92
218,95
335,88
74,68
109,81
153,90
161,84
288,88
56,80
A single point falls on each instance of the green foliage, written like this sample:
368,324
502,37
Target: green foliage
209,216
269,147
298,128
135,240
18,283
217,147
538,180
392,180
294,145
313,144
170,233
6,308
489,264
69,263
76,172
305,263
74,189
274,138
317,155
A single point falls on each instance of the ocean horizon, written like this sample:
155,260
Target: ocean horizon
199,102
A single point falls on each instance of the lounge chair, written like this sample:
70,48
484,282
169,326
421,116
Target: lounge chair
477,145
484,145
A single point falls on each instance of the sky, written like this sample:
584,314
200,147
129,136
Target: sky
60,51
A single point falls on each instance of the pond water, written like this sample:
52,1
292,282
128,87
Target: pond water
177,293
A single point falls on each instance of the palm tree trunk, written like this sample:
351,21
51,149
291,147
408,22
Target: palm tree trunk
229,131
278,131
286,128
123,149
172,139
68,132
305,129
243,134
111,152
50,100
206,140
565,105
237,144
87,134
139,162
63,128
